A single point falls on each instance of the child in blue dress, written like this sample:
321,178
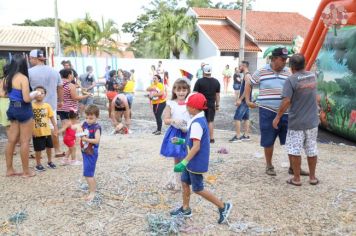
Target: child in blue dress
177,117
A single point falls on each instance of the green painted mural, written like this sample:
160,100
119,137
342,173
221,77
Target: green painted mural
336,71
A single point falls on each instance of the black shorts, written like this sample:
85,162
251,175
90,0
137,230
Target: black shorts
209,114
120,108
63,115
41,143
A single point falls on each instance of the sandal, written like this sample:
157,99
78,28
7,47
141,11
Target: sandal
314,182
270,171
60,154
291,182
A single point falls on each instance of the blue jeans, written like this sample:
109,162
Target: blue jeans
242,112
130,98
236,86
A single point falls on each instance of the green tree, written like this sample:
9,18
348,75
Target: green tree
199,3
171,33
88,33
142,27
2,63
41,22
71,38
234,5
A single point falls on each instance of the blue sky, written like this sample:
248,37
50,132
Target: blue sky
16,11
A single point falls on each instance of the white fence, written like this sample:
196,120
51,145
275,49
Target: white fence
142,67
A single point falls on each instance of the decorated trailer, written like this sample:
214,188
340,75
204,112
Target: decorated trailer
330,50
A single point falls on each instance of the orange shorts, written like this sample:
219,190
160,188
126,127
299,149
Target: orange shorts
111,94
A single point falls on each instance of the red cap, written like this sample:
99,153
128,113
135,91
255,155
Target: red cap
197,101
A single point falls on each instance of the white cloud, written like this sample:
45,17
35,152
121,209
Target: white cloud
305,7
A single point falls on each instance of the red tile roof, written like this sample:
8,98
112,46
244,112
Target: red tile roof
227,38
263,26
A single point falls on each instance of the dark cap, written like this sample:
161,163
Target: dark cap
280,52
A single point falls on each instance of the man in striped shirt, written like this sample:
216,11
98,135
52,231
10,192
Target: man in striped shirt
270,80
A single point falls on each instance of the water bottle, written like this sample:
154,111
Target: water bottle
177,141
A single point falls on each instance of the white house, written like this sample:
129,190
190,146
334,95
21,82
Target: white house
219,32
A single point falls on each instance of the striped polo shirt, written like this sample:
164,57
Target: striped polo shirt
270,86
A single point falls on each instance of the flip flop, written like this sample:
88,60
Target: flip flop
60,154
291,182
314,182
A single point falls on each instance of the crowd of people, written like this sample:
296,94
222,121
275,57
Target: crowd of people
287,110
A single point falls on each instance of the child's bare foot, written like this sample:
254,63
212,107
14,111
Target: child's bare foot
28,174
65,161
89,197
75,163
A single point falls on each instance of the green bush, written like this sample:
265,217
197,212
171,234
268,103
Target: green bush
2,63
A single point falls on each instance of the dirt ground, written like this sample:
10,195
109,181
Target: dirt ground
131,177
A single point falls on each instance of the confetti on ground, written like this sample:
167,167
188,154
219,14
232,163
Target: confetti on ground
159,225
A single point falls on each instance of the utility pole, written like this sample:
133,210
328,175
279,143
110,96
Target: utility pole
242,31
57,37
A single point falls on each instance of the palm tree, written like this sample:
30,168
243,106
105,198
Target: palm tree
88,33
107,42
100,38
171,33
72,36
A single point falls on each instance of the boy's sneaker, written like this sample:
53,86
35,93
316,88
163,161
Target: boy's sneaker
224,212
245,138
40,168
51,165
181,212
234,139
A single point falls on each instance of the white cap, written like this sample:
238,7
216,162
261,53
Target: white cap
207,69
37,53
